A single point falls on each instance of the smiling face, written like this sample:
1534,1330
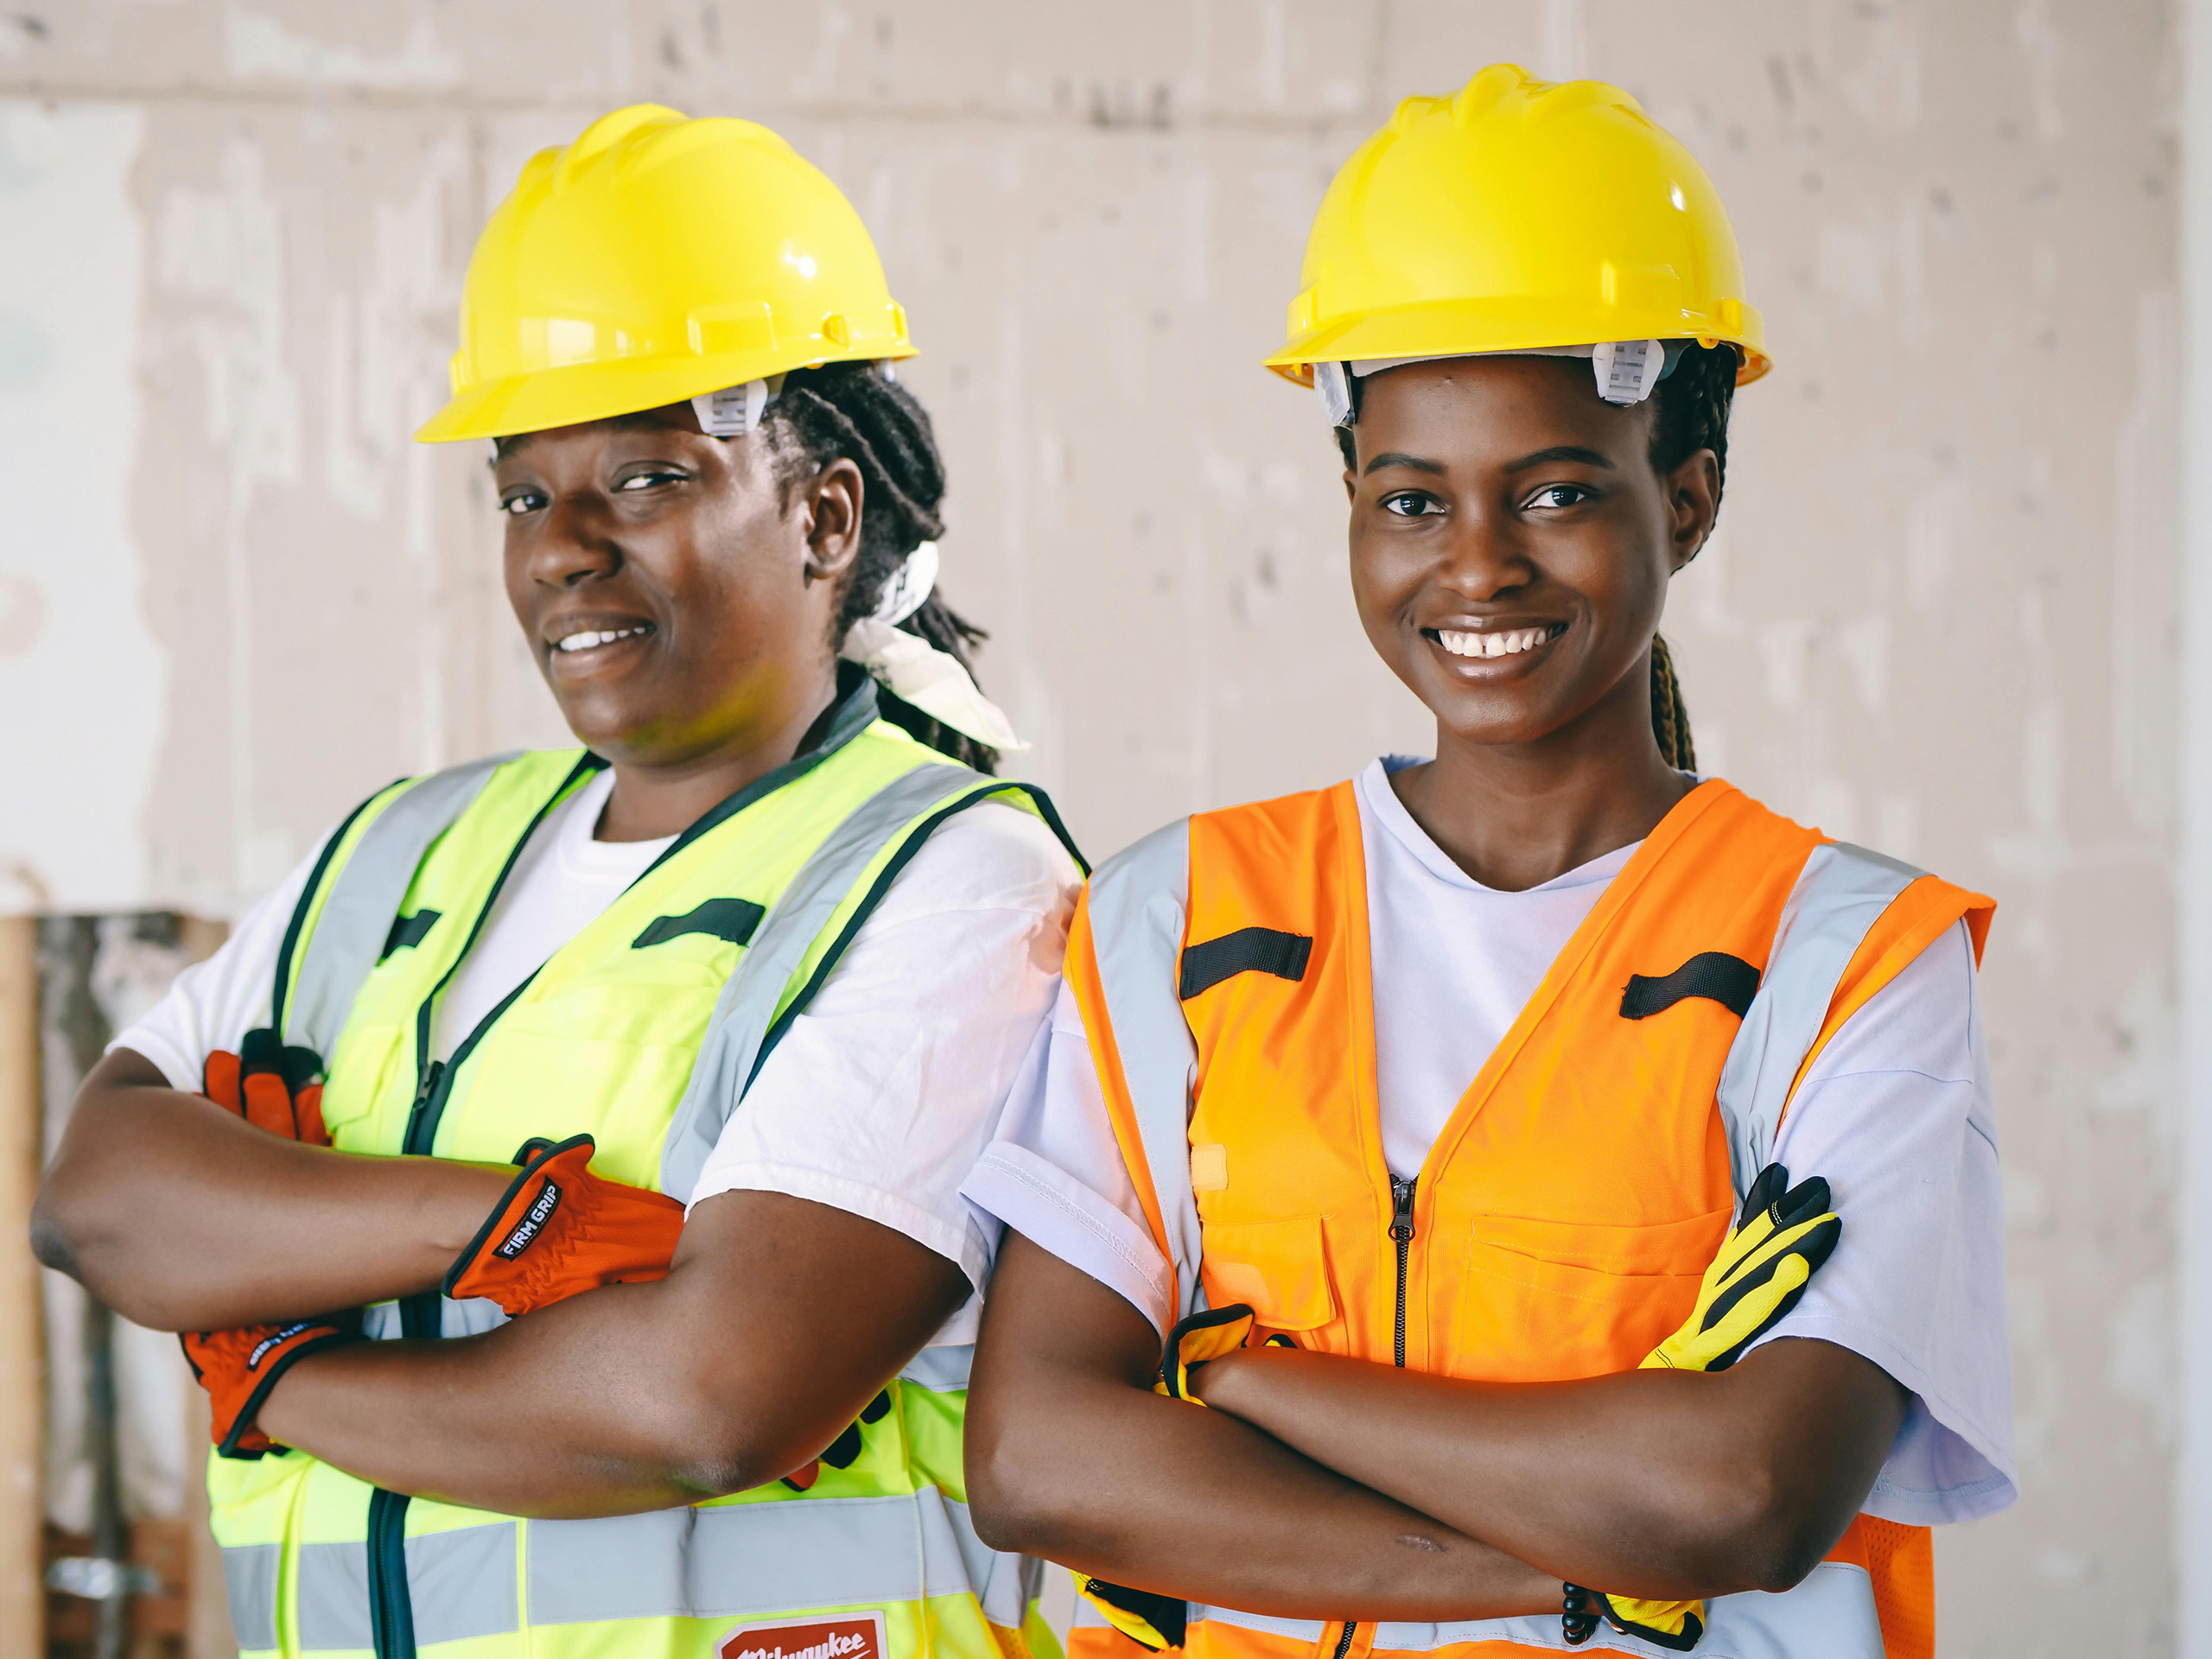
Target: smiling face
678,597
1512,543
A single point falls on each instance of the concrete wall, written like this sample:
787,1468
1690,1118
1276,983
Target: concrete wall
234,598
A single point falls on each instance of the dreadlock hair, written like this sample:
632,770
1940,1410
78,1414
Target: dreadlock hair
1689,412
850,411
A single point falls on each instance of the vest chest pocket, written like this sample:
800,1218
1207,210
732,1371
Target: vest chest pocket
359,1080
1279,1266
1549,1300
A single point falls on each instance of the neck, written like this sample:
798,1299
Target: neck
654,799
1515,815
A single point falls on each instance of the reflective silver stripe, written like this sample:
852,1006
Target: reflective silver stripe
1138,902
249,1580
461,1584
1830,1616
1840,893
744,1558
364,896
941,1370
747,1004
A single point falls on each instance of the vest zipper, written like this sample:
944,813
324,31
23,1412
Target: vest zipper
391,1610
1402,1235
1343,1642
391,1605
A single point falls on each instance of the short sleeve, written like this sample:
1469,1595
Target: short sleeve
1055,1172
885,1090
1897,1113
212,1004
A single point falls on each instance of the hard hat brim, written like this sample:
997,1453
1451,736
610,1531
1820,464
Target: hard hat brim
544,398
1474,327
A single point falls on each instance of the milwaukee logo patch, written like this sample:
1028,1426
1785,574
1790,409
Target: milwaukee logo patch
532,1223
855,1636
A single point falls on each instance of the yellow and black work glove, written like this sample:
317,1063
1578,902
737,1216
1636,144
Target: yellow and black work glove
1677,1626
845,1449
1204,1336
1780,1238
1151,1621
1779,1242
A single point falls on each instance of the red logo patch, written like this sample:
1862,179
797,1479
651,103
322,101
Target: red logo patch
855,1636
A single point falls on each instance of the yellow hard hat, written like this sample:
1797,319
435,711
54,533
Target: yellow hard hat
656,259
1520,216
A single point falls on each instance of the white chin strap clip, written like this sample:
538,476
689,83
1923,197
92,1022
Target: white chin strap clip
916,671
1626,371
736,411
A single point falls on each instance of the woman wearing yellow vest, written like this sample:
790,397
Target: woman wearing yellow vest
629,1086
1418,1106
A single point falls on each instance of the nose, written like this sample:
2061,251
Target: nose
1486,557
573,544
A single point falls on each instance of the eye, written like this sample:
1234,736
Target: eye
1411,504
651,478
516,503
1559,495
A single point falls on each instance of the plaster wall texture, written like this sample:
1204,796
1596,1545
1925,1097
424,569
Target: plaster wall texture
1939,616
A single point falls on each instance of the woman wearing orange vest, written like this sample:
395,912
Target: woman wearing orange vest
1419,1105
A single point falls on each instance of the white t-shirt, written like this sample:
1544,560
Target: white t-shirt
1896,1114
880,1097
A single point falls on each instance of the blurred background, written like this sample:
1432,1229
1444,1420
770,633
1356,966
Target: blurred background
1944,614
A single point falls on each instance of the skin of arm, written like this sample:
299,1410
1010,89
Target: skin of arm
1072,1456
778,1320
182,1217
1667,1484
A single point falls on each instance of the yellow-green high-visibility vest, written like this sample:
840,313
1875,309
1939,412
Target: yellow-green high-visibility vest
645,1029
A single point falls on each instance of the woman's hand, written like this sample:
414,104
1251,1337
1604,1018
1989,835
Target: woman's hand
1072,1456
181,1215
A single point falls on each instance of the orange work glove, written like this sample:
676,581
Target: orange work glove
562,1229
239,1368
272,1087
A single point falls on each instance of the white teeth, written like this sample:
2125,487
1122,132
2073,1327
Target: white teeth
587,639
1507,644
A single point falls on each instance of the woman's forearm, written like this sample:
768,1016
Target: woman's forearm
779,1321
1071,1456
182,1217
1662,1483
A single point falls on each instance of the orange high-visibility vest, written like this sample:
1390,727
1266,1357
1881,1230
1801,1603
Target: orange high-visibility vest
1564,1217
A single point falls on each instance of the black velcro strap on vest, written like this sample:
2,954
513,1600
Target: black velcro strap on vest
1713,975
408,932
1248,950
733,919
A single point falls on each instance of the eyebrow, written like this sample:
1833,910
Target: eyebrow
1394,458
1560,451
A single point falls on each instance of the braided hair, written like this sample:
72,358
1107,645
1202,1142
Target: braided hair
1689,412
850,411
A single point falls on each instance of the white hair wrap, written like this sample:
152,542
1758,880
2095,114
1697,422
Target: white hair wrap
916,671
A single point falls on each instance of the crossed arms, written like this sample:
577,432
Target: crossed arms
778,1320
1322,1487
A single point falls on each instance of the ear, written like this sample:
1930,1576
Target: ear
1692,505
832,501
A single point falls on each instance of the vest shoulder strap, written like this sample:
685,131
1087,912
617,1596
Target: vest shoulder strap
795,947
1819,973
1123,956
352,911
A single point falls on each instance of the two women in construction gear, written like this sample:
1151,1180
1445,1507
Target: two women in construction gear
1490,1366
1399,1123
675,1045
